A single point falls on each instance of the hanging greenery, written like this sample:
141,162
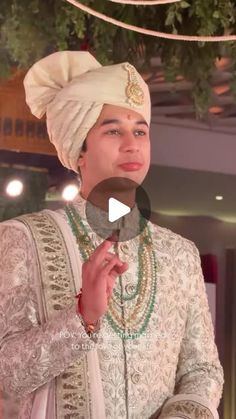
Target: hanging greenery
31,29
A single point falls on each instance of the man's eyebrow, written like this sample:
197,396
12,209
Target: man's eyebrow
109,121
142,121
117,121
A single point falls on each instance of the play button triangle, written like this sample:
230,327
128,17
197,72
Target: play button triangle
108,210
116,209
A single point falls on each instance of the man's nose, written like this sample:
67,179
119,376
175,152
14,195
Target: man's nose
130,142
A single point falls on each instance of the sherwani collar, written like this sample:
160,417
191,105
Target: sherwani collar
128,225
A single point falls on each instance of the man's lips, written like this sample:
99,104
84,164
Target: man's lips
130,166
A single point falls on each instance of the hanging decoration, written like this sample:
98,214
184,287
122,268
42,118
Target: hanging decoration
176,37
44,27
144,2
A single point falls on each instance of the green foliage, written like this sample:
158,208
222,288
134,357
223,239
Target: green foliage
31,29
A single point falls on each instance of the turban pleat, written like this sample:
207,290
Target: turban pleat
68,128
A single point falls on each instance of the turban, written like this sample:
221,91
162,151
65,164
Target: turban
71,87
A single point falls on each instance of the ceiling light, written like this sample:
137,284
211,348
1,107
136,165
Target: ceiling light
69,192
219,197
14,188
216,109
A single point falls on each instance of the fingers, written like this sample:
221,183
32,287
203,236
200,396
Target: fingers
121,269
115,267
109,290
110,283
108,256
115,261
116,271
100,252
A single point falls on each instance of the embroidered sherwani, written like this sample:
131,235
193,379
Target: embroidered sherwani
171,371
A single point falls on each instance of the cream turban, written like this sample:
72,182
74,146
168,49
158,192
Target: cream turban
71,87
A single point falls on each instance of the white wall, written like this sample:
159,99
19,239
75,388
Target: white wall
192,145
209,234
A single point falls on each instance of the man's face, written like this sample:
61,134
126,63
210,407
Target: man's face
119,138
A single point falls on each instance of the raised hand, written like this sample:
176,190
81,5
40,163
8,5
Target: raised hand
99,273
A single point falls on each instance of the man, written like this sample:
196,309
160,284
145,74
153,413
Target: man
139,341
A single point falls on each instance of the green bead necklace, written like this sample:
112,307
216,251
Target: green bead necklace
145,291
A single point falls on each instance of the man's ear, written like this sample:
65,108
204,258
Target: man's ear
81,159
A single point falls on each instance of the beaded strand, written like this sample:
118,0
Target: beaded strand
145,290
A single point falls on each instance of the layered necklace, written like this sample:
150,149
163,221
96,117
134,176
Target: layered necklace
127,322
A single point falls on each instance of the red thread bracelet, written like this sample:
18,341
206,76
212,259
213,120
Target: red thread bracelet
79,298
90,328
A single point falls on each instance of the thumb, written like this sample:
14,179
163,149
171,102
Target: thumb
118,270
121,269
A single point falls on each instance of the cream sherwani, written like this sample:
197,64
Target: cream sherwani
172,371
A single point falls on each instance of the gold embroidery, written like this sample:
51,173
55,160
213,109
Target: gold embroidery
187,409
133,91
72,386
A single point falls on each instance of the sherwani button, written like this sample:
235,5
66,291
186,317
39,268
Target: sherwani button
135,377
124,248
129,289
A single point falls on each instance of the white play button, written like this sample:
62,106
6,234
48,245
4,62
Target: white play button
108,211
116,209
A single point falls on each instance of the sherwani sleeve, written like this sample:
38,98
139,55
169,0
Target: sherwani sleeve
199,376
31,352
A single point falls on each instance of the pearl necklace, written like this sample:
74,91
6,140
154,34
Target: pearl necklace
128,315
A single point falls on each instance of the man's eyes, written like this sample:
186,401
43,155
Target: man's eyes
140,132
137,133
113,132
